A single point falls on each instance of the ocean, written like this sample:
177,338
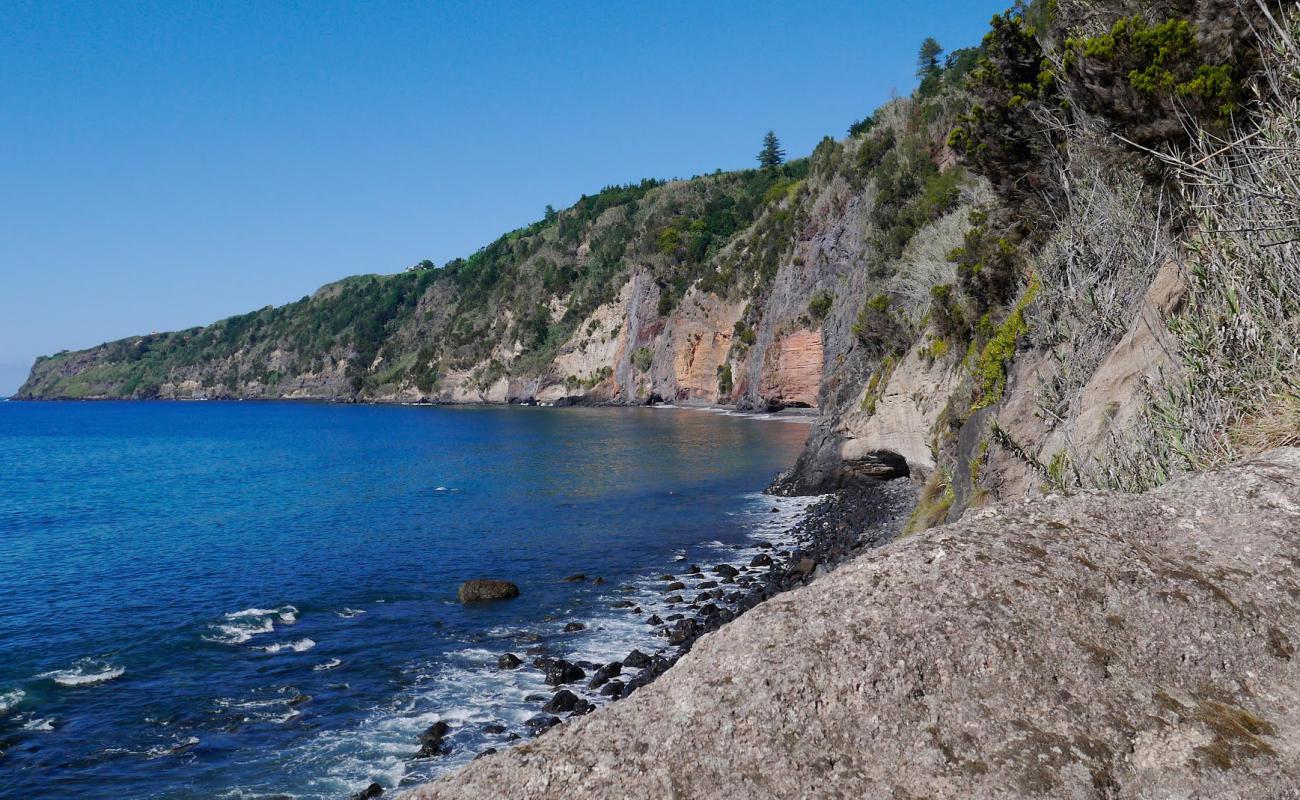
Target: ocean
241,600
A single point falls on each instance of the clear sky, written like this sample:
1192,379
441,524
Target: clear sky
167,164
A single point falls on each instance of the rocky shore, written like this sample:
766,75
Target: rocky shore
697,599
1087,646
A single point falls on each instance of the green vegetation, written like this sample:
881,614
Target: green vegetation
998,352
642,358
819,305
725,384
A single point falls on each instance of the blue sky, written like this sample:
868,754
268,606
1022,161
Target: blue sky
167,164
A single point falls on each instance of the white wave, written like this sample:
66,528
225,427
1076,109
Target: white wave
252,612
297,646
238,634
35,724
10,699
84,672
240,626
331,664
349,613
178,746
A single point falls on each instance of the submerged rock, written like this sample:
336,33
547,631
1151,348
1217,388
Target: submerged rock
509,661
476,591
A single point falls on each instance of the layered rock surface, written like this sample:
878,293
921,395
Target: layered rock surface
1096,645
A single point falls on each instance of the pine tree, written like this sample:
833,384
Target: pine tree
771,155
927,60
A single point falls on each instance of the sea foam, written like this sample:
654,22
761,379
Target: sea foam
11,699
84,671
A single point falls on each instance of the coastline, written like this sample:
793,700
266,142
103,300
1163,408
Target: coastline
672,611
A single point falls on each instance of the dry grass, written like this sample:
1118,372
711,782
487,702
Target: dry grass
1239,336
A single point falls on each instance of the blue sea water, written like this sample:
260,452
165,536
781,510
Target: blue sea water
258,600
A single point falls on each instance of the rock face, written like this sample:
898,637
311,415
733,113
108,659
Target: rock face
1096,645
479,590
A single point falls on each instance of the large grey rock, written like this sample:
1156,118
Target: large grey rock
1090,646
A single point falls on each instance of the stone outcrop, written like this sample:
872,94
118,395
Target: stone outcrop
792,371
1095,645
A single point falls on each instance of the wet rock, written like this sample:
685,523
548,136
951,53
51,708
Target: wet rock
761,560
654,620
477,591
509,661
708,610
605,674
623,604
598,581
725,570
675,598
535,698
636,660
369,793
563,702
561,672
431,741
667,577
582,707
541,723
682,631
706,585
675,586
612,689
489,751
578,578
573,627
494,728
803,568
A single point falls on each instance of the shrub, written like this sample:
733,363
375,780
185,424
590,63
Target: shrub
642,358
724,380
820,304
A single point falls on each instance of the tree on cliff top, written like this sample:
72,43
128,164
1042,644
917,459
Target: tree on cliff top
927,60
772,155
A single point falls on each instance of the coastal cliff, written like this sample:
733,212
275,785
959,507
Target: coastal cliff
1067,260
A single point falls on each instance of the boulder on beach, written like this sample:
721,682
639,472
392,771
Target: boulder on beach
482,589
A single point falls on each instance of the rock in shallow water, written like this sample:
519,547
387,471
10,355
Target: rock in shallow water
481,590
431,741
563,702
509,661
636,660
369,793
